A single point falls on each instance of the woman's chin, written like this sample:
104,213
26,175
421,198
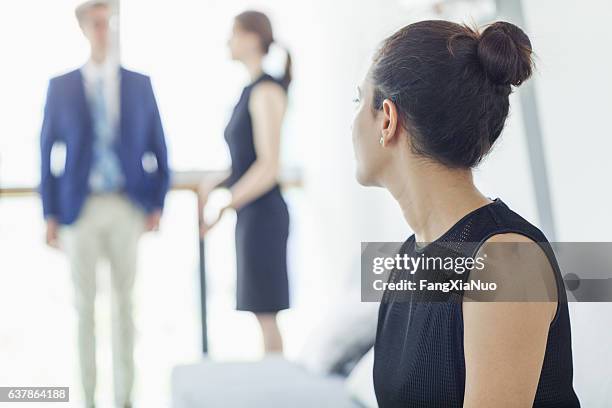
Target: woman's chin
365,179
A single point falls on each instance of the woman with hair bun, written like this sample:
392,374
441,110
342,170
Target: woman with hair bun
253,135
432,105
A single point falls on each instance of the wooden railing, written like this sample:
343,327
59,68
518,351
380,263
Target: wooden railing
182,181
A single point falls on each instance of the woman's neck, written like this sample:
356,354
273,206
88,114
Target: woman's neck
433,198
254,65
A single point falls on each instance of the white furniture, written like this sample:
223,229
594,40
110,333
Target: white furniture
271,383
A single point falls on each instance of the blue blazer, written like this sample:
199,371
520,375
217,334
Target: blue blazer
67,120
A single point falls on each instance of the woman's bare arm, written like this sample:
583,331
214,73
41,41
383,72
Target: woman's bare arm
505,341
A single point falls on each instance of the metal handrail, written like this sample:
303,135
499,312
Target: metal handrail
181,180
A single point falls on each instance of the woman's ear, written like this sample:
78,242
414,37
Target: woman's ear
389,122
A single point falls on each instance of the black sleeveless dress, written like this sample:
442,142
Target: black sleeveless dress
418,358
262,226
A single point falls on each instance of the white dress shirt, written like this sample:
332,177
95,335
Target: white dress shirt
108,72
105,175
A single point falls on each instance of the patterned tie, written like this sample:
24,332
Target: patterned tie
106,173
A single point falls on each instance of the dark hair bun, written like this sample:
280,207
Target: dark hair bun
504,51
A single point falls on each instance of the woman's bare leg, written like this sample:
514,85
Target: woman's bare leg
273,342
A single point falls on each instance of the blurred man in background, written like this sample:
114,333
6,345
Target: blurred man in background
103,182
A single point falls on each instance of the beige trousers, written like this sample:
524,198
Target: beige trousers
109,226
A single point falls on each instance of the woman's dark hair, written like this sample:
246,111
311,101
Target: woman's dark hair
451,85
258,23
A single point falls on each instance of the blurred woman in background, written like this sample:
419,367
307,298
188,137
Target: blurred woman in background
253,135
431,107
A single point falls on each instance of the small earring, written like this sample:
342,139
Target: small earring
381,141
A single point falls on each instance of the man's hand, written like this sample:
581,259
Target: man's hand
152,221
52,238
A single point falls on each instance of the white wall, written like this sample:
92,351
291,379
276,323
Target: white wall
572,40
35,46
574,63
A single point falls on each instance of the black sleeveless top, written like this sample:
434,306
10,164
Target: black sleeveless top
239,137
418,358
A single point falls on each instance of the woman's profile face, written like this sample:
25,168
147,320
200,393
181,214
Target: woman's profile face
367,125
242,43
